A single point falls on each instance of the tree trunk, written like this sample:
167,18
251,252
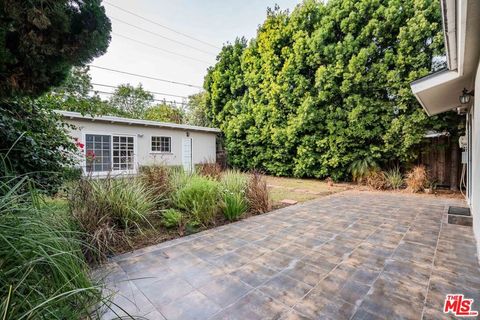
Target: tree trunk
454,149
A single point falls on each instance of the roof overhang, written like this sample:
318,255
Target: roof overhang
147,123
439,92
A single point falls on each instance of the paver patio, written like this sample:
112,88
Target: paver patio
353,255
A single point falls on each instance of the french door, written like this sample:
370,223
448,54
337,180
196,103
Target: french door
123,153
109,153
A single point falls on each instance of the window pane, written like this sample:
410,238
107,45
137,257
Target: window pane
97,152
161,144
123,155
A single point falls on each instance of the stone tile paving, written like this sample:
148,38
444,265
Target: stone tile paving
353,255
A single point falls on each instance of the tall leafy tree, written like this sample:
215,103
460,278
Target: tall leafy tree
132,101
326,85
165,113
196,113
41,39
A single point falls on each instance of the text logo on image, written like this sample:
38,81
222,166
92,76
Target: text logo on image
458,305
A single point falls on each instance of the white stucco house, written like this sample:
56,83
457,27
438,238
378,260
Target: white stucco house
115,145
458,88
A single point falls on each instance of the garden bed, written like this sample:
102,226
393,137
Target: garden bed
122,214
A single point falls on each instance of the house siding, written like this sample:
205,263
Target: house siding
203,143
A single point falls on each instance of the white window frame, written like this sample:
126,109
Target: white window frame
160,152
112,172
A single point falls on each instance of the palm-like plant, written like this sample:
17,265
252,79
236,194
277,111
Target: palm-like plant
361,168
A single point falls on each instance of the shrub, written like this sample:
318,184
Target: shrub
376,179
234,205
107,208
198,196
209,169
36,143
361,169
72,174
257,194
172,218
394,178
43,274
416,179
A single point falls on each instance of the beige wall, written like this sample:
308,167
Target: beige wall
475,149
203,143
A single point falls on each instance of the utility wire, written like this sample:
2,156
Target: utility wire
147,77
161,36
160,25
153,92
159,100
161,49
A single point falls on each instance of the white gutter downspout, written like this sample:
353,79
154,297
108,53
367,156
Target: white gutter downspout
449,19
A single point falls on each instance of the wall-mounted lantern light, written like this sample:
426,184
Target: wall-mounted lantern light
466,96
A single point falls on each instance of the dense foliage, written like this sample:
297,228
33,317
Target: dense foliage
41,39
164,113
327,85
197,110
35,143
131,100
108,209
43,274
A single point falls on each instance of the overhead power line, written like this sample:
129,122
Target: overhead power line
162,36
158,48
159,100
147,77
153,92
161,25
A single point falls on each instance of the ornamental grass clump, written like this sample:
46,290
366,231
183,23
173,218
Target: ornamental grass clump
234,206
235,182
361,169
157,179
209,169
257,194
198,196
234,188
394,178
416,179
43,273
376,179
107,210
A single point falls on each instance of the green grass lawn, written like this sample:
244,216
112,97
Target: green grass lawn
300,190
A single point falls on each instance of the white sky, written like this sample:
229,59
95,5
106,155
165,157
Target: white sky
213,21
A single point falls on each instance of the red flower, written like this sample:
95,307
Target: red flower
78,143
90,155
